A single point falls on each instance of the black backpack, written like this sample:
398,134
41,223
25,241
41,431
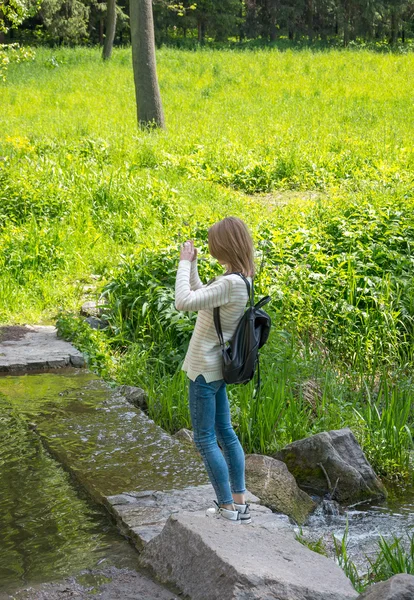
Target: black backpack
241,353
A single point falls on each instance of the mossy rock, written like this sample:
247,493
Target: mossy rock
333,463
270,479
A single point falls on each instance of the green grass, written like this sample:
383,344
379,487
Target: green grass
394,556
88,200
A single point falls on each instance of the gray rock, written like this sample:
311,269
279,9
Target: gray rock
37,347
141,515
333,463
111,447
185,435
399,587
58,363
211,559
270,479
77,360
96,323
92,309
134,395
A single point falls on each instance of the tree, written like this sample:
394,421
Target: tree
147,92
13,13
110,29
66,20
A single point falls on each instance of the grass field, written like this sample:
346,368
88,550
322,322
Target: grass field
313,149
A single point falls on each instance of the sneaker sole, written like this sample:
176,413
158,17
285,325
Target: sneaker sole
245,521
212,513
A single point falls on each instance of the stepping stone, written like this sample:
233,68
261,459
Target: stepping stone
28,348
142,515
399,587
108,445
209,558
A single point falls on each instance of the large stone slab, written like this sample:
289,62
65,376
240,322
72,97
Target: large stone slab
210,559
142,515
35,347
333,462
107,445
399,587
271,481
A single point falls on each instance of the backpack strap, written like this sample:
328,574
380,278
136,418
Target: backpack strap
250,288
216,311
217,324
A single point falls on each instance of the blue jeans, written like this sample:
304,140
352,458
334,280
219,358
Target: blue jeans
210,417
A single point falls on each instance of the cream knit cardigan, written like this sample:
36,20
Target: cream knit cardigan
230,293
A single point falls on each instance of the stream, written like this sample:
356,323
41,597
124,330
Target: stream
50,529
366,524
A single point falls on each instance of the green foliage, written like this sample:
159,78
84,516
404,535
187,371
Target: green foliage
387,424
85,197
349,568
66,19
317,546
378,25
93,343
14,12
346,268
31,252
394,557
10,53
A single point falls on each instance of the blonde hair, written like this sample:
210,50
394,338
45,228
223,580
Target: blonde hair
230,242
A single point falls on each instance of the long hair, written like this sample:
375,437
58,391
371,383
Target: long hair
230,242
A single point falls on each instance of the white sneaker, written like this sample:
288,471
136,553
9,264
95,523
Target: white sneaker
224,513
244,512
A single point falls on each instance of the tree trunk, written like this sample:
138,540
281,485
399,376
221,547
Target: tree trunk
347,13
241,25
147,92
272,21
346,33
310,20
251,25
101,31
394,26
110,29
201,29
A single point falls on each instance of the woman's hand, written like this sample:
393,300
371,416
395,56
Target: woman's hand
188,252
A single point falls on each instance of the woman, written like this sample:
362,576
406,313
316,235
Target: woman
231,244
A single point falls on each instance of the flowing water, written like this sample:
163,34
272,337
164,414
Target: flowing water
366,525
48,528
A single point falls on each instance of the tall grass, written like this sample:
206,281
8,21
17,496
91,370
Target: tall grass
89,202
393,557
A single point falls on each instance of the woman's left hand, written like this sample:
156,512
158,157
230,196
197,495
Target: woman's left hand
187,251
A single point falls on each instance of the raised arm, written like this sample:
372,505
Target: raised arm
216,294
195,281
